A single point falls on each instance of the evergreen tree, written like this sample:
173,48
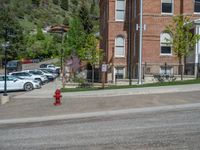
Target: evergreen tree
64,4
36,3
85,18
75,40
56,2
10,31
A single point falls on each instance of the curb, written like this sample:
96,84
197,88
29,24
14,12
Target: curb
117,92
99,114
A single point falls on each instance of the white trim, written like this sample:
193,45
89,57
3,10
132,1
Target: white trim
165,54
167,14
119,20
161,54
120,56
164,13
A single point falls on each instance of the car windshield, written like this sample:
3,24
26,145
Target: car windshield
35,72
45,71
51,66
11,65
17,77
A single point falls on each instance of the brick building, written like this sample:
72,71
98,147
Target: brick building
120,37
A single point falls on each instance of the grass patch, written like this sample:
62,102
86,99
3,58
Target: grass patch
195,81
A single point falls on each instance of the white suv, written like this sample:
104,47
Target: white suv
23,74
49,76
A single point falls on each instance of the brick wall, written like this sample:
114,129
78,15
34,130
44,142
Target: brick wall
155,22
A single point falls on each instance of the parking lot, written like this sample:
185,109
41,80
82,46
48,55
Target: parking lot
14,80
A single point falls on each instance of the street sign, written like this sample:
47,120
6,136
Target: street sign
104,68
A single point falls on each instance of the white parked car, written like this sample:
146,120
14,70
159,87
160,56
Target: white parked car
46,70
14,83
49,76
23,74
52,67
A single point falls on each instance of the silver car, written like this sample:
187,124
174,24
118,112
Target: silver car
27,75
14,83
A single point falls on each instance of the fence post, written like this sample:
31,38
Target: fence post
181,72
165,68
197,76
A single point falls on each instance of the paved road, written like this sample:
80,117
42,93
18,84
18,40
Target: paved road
174,129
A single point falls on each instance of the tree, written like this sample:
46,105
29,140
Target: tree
64,5
91,53
14,35
182,38
56,2
75,39
85,18
39,44
36,2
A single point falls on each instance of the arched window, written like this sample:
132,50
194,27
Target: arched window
165,43
119,46
120,10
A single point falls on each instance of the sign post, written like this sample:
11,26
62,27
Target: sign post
103,70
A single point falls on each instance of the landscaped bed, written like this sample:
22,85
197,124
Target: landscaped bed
79,89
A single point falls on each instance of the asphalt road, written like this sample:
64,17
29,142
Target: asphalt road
175,129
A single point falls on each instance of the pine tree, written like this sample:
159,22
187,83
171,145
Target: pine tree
36,2
84,16
56,2
64,4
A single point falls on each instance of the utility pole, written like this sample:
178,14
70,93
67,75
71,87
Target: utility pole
129,46
140,48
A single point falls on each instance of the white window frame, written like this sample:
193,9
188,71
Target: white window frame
161,44
121,46
165,13
194,9
116,19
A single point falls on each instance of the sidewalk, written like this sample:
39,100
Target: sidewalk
39,103
49,89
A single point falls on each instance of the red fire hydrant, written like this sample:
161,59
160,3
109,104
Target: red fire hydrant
57,97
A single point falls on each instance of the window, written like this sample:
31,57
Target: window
119,47
165,41
1,78
197,6
167,6
120,10
119,72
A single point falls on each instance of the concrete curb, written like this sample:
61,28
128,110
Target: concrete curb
4,99
115,92
99,114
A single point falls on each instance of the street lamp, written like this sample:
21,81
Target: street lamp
5,46
59,29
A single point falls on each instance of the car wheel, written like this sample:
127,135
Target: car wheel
28,86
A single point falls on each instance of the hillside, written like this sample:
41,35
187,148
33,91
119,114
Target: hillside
23,18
